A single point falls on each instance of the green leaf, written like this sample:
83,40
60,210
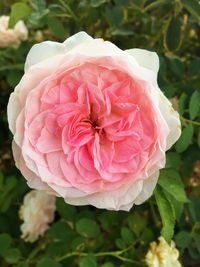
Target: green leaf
194,105
185,139
173,160
12,255
196,238
136,223
183,239
38,5
19,11
198,138
172,38
56,27
66,211
108,264
193,8
60,231
47,262
97,3
170,181
87,227
120,243
176,205
182,103
177,67
166,213
147,235
22,265
127,235
5,242
13,77
88,261
194,208
78,243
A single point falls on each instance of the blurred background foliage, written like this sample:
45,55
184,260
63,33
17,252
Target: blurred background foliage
85,236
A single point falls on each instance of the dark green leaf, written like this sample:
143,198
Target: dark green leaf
172,39
47,262
136,223
166,213
65,210
183,239
88,261
173,160
194,105
185,139
108,264
56,27
5,242
170,181
196,238
87,228
12,255
127,235
198,138
182,103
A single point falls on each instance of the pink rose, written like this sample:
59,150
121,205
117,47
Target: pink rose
90,123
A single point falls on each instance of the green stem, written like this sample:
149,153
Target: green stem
116,254
190,121
72,254
12,67
68,9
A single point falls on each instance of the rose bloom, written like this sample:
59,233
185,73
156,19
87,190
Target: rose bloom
12,37
37,212
90,123
162,254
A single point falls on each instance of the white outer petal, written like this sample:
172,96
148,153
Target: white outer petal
77,39
119,199
148,186
145,58
33,180
172,118
150,61
13,109
42,51
47,49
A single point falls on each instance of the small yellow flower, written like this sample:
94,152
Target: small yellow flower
162,254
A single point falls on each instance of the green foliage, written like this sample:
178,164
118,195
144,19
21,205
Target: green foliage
88,261
185,139
194,105
19,11
87,228
166,212
85,236
170,181
173,34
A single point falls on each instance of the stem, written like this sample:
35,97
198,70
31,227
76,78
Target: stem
116,254
72,254
190,121
66,6
12,67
